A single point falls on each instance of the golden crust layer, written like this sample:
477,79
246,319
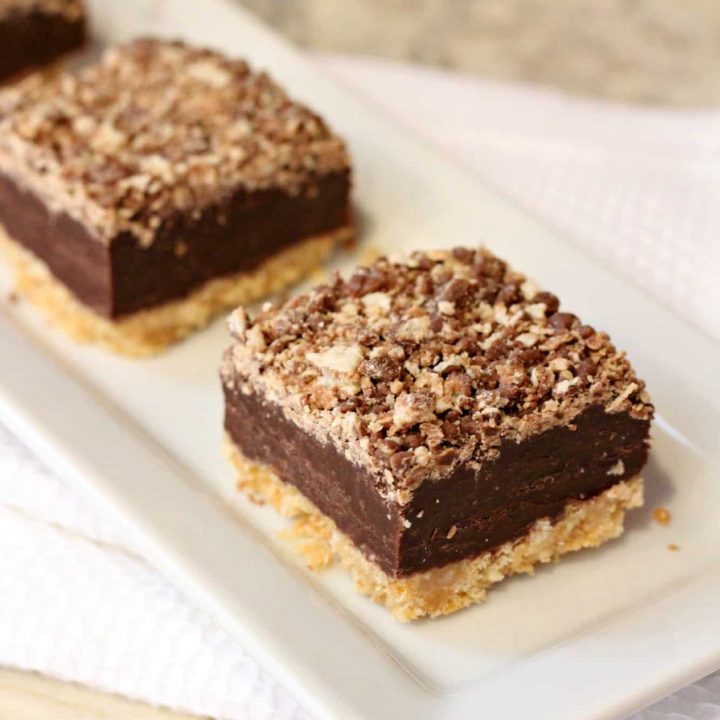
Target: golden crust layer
150,331
444,590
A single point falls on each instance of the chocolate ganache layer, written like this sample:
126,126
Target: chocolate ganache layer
36,38
123,277
475,509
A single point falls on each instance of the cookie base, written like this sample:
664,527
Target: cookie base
150,331
447,589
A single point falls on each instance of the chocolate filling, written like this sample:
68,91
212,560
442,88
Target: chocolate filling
233,236
36,38
474,510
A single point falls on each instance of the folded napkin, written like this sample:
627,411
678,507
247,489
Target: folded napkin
637,187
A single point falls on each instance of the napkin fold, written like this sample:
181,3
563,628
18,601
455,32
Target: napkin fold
640,188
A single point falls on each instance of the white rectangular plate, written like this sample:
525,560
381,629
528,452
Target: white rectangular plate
596,636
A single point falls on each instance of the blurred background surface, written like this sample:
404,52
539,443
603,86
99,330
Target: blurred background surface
662,52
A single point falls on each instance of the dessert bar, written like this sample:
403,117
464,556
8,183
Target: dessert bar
145,194
37,32
438,423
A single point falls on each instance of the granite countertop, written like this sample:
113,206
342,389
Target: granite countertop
663,52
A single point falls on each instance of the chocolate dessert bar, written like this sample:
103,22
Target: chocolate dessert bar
437,423
145,194
37,32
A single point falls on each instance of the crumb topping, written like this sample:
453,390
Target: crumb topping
414,365
661,516
71,9
158,128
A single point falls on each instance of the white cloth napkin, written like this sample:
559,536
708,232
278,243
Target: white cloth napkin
640,188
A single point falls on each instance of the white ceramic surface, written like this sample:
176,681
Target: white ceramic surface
595,636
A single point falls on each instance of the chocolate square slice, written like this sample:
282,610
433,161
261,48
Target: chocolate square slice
37,32
145,194
437,423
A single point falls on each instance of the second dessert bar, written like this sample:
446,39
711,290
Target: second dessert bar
36,32
438,423
150,191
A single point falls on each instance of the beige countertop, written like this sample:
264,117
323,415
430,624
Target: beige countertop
650,51
27,696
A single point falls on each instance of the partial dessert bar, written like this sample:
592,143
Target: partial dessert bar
147,193
437,423
37,32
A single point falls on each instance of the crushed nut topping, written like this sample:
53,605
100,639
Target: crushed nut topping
376,364
158,128
342,359
71,9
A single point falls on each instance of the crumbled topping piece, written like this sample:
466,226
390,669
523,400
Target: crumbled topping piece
426,389
342,359
617,403
661,516
413,409
158,128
